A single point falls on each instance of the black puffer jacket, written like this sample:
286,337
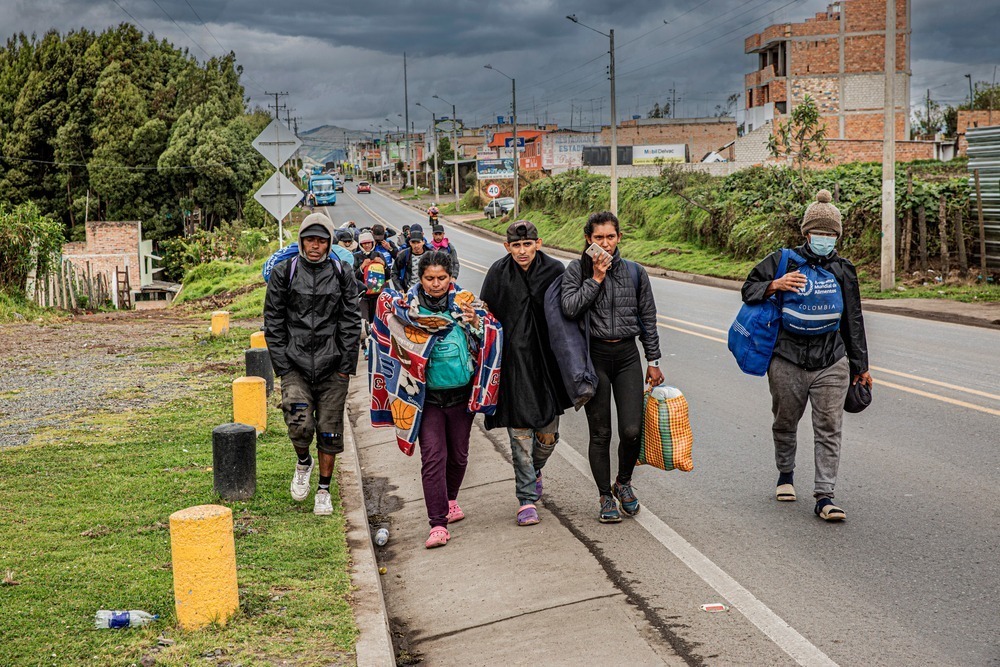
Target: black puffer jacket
815,352
313,324
615,306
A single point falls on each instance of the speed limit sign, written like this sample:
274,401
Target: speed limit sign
493,190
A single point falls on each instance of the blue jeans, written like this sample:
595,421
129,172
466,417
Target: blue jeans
530,449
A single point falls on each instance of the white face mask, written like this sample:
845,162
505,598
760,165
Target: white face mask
822,245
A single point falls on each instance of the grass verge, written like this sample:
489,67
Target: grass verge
84,526
14,309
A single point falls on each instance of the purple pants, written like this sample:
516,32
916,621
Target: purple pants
444,455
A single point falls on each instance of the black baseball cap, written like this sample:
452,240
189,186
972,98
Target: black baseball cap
344,235
378,231
416,233
437,229
521,230
315,230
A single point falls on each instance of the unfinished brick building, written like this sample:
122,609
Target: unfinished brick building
838,58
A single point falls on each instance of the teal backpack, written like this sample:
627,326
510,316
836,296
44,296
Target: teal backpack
450,364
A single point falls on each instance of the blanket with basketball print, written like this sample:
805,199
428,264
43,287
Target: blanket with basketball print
401,341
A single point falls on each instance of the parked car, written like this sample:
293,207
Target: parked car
499,207
338,185
364,186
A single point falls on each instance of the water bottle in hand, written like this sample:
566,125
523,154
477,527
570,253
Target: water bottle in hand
135,618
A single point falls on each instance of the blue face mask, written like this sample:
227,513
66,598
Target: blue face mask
822,245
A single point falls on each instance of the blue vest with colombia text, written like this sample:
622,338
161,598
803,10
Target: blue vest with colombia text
816,308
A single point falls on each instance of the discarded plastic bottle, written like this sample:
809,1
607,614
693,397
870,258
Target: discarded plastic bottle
134,618
381,537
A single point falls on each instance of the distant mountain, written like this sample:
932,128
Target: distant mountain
327,143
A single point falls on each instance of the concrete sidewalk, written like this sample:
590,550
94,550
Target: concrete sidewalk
497,594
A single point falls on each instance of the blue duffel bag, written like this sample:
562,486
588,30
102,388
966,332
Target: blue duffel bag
755,330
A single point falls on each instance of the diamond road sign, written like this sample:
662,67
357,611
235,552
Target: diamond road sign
278,195
276,143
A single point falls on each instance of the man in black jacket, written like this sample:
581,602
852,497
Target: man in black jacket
531,396
312,325
404,266
813,368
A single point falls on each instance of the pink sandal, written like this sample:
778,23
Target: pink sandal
455,512
438,538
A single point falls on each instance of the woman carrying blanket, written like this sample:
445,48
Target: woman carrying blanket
436,363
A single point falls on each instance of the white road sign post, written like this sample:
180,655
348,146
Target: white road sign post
278,195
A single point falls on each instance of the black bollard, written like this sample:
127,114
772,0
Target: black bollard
258,362
234,461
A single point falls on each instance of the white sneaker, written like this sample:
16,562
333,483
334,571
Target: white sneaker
324,504
300,481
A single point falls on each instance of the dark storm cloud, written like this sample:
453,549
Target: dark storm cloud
342,61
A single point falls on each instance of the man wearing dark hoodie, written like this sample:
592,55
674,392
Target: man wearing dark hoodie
312,325
440,242
532,395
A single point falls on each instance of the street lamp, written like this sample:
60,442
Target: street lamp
434,136
614,114
517,158
454,148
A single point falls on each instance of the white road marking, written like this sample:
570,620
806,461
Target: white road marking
777,630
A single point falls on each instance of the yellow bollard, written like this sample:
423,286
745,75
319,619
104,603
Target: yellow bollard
250,402
257,340
204,565
220,323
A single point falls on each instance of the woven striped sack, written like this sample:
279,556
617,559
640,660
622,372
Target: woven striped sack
666,432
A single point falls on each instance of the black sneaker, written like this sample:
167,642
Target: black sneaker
609,510
624,493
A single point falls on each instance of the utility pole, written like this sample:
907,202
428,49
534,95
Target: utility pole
614,112
888,277
972,97
928,117
454,150
277,108
517,156
614,132
406,120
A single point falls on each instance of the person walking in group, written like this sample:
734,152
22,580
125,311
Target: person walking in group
616,296
404,267
821,349
312,326
440,242
532,395
384,245
366,255
436,362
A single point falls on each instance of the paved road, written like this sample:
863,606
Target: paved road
913,576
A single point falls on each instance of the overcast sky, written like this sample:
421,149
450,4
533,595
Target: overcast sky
342,62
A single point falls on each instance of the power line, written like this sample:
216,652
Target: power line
207,54
259,85
145,29
121,167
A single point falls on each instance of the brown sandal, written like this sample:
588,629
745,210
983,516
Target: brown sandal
785,493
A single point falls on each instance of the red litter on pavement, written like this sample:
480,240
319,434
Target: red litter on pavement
714,607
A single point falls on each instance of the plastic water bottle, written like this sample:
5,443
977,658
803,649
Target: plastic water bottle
134,618
381,537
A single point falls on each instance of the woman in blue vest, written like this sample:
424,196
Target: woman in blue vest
446,424
821,349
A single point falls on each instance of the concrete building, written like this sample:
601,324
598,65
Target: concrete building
836,57
702,135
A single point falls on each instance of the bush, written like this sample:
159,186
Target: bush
27,239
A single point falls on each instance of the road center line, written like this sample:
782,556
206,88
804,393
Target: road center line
777,630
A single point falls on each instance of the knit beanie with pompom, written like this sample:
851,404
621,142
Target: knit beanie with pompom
822,216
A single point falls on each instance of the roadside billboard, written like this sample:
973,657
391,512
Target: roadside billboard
564,150
490,169
660,154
